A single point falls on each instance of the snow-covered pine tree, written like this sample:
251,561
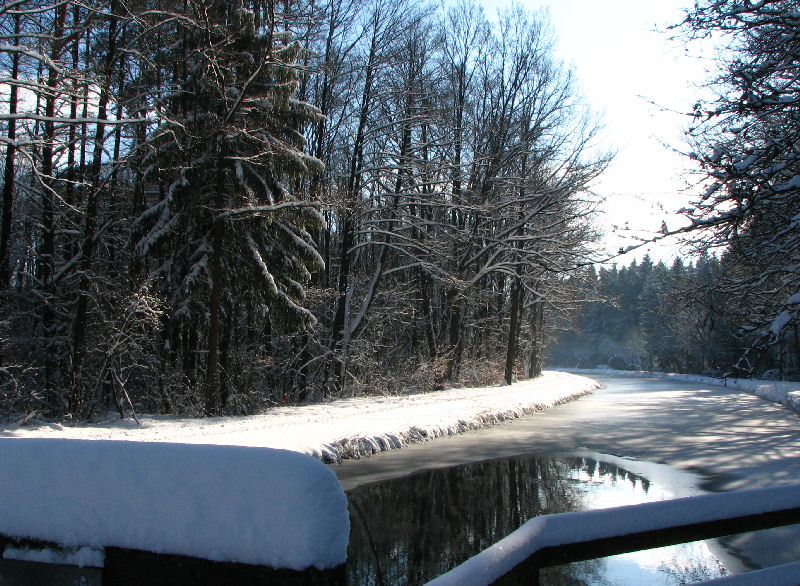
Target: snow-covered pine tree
223,225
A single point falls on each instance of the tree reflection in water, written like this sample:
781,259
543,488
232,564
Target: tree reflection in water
409,530
412,529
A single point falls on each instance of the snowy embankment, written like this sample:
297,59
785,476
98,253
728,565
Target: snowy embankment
346,428
785,393
222,503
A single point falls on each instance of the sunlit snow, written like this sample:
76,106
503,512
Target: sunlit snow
346,428
224,503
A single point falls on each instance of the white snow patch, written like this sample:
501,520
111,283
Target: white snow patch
346,428
780,322
747,163
784,393
83,557
222,503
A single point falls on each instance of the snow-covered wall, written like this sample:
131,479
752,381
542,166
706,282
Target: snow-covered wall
785,393
223,503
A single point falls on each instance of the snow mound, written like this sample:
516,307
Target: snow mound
784,393
222,503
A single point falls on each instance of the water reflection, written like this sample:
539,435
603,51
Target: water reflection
412,529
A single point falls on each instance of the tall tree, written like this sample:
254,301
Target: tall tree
747,142
231,145
8,176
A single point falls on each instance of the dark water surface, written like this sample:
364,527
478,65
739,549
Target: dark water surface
409,530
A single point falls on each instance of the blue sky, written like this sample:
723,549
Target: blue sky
619,50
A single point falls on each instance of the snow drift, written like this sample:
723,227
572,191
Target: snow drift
222,503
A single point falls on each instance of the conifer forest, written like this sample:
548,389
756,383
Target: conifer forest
215,207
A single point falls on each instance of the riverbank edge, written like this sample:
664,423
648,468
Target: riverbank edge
344,429
783,393
362,446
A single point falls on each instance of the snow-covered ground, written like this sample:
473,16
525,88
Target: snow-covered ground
155,455
785,393
347,428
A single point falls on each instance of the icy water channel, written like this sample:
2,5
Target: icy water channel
409,530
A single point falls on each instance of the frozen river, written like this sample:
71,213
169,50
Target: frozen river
726,438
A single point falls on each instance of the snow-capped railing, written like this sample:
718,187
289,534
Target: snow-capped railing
230,514
552,540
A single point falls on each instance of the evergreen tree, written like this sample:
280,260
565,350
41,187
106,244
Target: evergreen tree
228,151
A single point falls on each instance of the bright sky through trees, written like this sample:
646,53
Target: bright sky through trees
641,82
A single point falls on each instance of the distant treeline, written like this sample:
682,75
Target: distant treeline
682,318
739,313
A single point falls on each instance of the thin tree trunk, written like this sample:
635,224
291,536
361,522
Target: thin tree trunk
211,390
348,228
77,398
43,263
8,179
455,335
537,323
47,248
71,247
427,312
513,330
224,354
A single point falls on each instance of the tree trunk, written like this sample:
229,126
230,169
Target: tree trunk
224,348
216,292
455,335
8,179
72,135
77,398
348,228
427,312
47,248
537,323
513,330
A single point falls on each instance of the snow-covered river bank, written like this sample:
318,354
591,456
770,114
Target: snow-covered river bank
342,429
784,393
177,498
